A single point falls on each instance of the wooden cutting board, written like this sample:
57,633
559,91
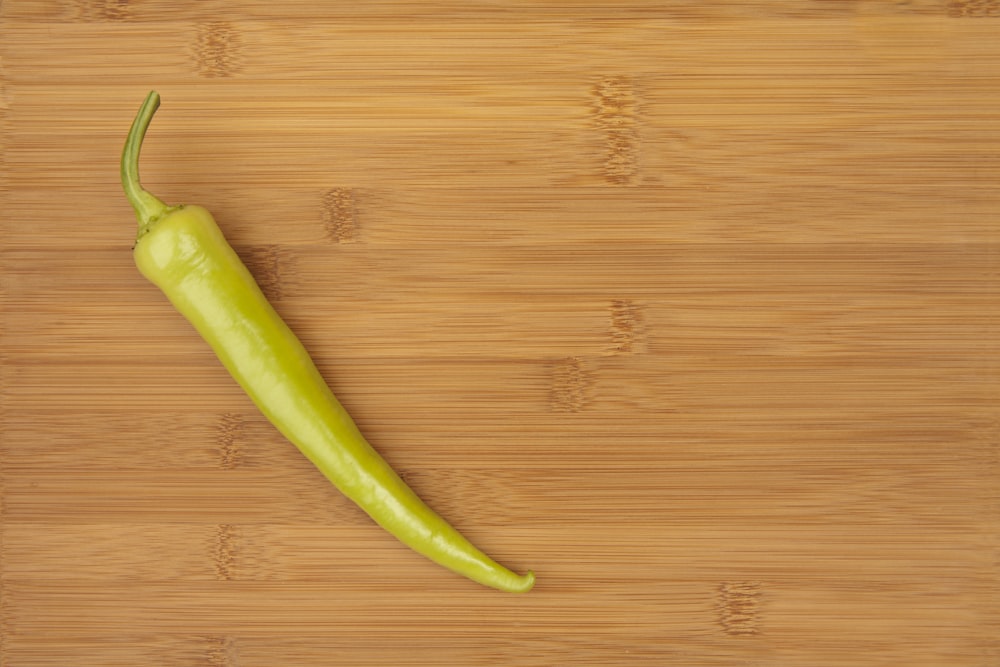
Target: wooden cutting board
691,308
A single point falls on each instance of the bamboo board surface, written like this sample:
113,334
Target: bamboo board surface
691,309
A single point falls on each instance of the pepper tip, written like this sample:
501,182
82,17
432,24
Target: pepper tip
525,583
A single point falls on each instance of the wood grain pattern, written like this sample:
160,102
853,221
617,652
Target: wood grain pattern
692,308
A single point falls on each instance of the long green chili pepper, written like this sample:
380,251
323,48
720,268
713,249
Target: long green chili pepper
183,252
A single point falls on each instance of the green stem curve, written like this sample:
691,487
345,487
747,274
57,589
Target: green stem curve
148,208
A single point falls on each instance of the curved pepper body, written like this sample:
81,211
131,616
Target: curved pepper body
183,252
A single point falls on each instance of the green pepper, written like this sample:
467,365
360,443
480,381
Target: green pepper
182,251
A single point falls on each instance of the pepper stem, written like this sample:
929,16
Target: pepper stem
147,207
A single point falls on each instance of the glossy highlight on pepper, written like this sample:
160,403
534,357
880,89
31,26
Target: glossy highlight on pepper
182,251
